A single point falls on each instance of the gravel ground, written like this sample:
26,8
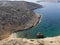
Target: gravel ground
21,41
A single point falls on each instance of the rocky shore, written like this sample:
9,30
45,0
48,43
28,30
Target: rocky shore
22,41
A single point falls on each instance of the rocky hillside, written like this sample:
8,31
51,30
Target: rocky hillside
21,4
17,16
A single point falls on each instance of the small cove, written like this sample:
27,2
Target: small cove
50,22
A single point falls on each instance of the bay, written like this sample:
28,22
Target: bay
50,21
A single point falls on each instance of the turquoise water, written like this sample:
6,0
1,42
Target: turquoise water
50,22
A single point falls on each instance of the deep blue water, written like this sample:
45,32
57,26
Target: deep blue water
50,21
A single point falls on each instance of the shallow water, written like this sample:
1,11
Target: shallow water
50,22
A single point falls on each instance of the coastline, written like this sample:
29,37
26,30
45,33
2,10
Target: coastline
13,40
24,41
20,16
36,19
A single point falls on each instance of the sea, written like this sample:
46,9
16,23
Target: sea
50,22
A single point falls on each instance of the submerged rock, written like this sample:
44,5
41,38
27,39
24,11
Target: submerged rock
16,16
39,35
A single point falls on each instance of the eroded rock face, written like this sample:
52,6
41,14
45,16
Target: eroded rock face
15,16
